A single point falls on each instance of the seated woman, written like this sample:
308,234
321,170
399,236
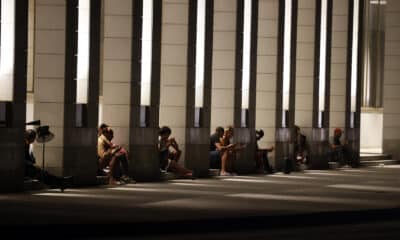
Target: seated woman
262,162
170,153
228,152
112,156
34,172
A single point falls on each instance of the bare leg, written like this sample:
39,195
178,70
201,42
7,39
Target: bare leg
224,159
179,170
112,165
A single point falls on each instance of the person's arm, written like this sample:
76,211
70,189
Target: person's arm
221,148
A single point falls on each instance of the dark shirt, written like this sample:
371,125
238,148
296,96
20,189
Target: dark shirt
214,138
29,158
336,141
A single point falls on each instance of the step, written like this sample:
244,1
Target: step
374,156
379,162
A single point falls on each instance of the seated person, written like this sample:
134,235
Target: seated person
170,153
261,157
215,158
300,147
338,151
34,172
228,152
112,156
102,128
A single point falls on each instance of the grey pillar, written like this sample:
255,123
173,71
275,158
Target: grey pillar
80,120
319,148
144,120
198,119
12,163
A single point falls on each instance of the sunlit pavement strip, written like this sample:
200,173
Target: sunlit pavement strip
331,174
75,195
311,199
387,166
291,176
365,188
163,190
254,180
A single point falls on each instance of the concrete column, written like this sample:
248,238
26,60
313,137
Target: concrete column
284,134
197,137
80,140
173,80
391,99
49,69
266,72
144,136
12,163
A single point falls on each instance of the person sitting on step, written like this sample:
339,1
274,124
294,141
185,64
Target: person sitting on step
262,162
112,156
228,152
34,172
169,154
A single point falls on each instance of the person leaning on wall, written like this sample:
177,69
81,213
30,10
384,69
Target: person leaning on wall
34,172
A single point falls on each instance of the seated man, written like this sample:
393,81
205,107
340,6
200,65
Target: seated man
34,172
112,156
170,153
338,151
215,157
228,152
262,162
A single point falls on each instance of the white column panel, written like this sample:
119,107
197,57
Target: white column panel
116,75
49,68
173,80
223,67
266,71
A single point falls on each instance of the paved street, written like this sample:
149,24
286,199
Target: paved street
254,202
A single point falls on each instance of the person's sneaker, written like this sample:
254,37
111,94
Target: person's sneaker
225,174
126,179
65,183
233,174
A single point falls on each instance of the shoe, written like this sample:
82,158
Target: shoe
114,182
233,174
65,182
126,179
225,174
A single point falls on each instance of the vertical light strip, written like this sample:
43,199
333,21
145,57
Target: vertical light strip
246,54
287,54
82,70
7,45
322,54
147,37
354,55
200,51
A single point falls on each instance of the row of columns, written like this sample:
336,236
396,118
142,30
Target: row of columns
73,151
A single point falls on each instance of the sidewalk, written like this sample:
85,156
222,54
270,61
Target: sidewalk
214,205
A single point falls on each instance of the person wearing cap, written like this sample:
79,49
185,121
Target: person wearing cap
338,150
261,157
34,172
